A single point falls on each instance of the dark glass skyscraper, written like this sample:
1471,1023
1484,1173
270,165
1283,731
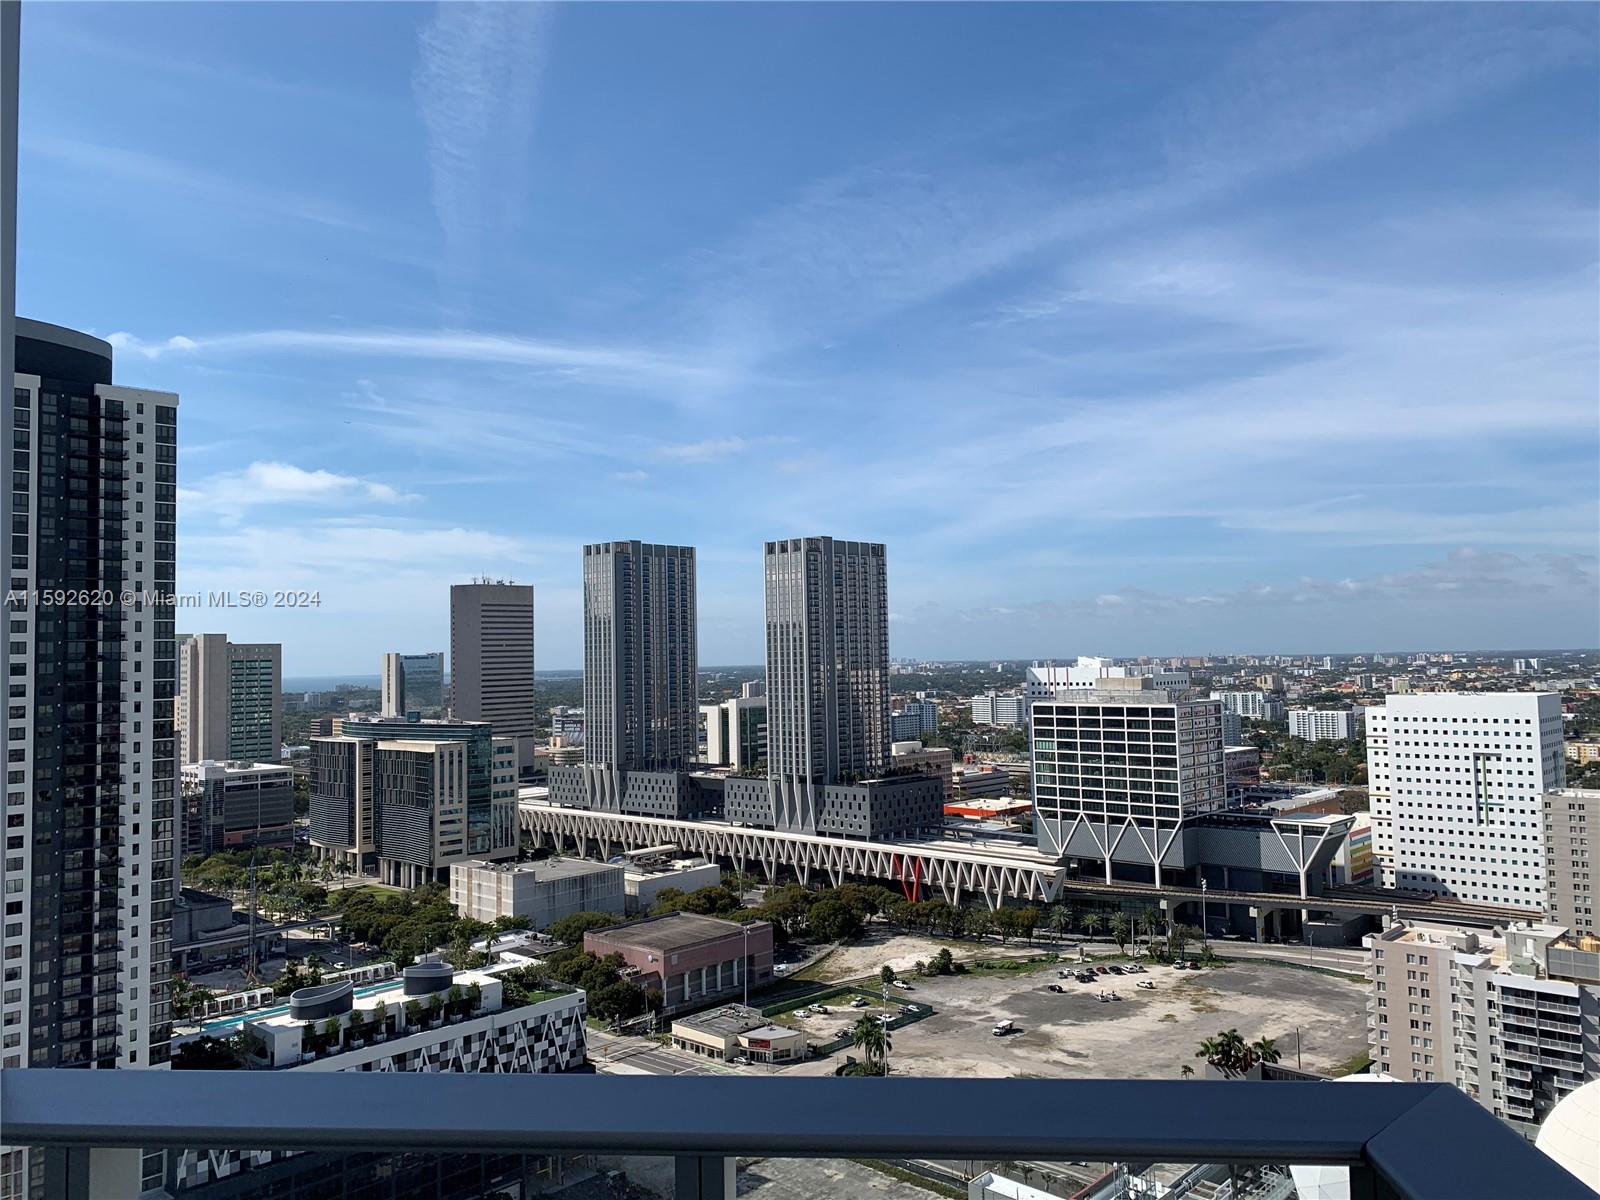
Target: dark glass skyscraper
91,771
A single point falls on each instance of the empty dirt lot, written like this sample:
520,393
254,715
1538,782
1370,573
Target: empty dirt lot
1145,1035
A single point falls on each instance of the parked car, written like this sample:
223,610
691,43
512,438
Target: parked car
902,985
1056,987
1004,1028
859,1002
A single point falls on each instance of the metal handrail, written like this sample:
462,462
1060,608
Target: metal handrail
1416,1141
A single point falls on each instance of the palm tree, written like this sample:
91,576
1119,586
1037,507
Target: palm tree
1266,1050
1060,921
1092,923
1120,930
1186,1071
869,1036
1150,918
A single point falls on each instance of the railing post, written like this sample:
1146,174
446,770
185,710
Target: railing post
704,1177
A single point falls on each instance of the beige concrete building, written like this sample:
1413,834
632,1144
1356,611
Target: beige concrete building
1571,832
734,1031
227,707
541,891
1512,1018
491,659
1583,752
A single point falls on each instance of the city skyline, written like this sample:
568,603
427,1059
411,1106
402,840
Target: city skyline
1090,344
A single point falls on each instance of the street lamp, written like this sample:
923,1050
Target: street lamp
1204,887
744,965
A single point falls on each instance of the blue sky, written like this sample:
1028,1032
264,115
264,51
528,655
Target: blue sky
1129,329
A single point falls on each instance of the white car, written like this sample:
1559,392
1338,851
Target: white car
902,985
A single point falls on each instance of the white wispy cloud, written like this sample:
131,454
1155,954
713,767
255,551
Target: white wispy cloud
712,449
616,364
154,174
477,89
230,493
867,243
629,476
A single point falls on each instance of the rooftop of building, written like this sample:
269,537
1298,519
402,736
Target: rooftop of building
991,803
212,768
548,868
675,931
727,1020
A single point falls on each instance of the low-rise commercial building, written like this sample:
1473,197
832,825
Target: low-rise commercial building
540,891
992,809
647,875
976,783
235,805
690,961
1583,752
897,806
735,1031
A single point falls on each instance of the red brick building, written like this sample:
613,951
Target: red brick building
692,961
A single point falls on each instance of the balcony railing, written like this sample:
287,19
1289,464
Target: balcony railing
1400,1141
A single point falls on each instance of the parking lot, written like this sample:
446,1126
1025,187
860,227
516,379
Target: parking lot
1147,1034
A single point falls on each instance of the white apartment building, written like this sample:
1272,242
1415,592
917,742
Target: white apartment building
1049,681
992,708
1257,706
1457,784
1512,1018
1323,724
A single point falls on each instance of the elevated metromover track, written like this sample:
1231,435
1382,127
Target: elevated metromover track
956,870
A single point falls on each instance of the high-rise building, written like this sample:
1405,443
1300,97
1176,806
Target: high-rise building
343,821
828,701
904,726
1571,831
92,771
228,706
1257,706
1323,724
413,683
365,806
236,805
827,669
1119,774
1457,782
736,732
1512,1018
491,659
1232,728
926,713
639,701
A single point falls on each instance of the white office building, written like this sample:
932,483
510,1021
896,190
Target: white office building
1457,783
227,707
1323,724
